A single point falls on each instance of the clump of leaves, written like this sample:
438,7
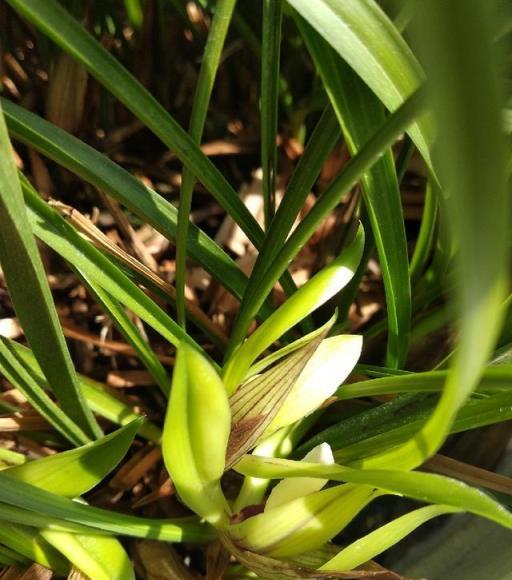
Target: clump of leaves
255,402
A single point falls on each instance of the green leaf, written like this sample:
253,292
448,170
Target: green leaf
18,376
369,153
41,502
54,21
131,333
269,101
196,433
368,41
359,112
27,541
98,557
72,473
457,41
98,396
426,234
109,177
376,542
54,231
11,558
328,282
320,144
493,379
302,524
209,65
426,487
26,279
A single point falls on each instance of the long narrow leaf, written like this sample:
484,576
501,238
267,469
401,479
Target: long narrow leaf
367,40
36,500
51,18
359,112
368,154
376,542
466,98
210,63
269,101
107,176
416,485
31,296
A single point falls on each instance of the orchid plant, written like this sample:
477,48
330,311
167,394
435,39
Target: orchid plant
391,78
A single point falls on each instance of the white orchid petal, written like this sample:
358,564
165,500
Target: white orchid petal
294,487
326,370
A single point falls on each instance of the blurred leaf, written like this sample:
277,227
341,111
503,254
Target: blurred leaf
98,557
26,279
196,433
27,541
466,97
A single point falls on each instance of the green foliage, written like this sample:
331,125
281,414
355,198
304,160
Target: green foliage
265,401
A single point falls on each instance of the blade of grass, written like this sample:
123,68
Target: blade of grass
369,153
466,100
25,541
376,542
210,63
359,112
495,378
391,423
26,279
138,271
269,101
425,239
476,413
67,33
